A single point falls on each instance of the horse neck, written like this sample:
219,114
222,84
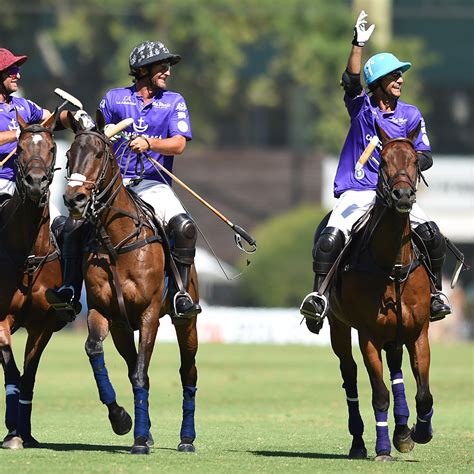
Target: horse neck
24,222
391,239
117,224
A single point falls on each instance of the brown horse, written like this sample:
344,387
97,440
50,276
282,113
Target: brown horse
29,265
126,285
384,293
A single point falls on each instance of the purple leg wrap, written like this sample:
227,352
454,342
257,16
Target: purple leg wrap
11,406
382,444
189,405
142,419
356,425
423,425
400,406
106,391
25,407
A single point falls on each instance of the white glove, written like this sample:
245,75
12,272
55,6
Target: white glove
115,137
361,35
18,133
84,119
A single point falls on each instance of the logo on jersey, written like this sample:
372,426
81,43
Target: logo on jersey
183,126
161,105
126,100
181,106
181,115
140,125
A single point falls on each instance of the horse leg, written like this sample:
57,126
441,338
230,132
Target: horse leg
98,330
422,432
188,345
401,435
380,396
12,388
35,345
140,381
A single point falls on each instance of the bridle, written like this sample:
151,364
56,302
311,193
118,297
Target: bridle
386,184
96,203
24,167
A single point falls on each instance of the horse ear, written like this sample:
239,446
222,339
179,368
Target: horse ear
99,120
413,135
20,121
51,120
75,125
382,134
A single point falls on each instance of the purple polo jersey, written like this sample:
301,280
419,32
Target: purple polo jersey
364,112
31,113
164,117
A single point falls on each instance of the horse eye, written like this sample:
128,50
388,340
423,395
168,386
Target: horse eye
99,154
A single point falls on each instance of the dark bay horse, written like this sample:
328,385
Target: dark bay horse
126,285
384,293
29,264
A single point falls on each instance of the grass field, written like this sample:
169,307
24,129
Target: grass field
259,409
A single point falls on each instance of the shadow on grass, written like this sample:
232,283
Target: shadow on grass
63,447
295,454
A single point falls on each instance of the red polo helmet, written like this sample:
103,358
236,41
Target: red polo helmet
8,59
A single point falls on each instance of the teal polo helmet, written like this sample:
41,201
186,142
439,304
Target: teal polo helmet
382,64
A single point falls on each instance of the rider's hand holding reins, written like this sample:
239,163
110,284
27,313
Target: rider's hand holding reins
361,34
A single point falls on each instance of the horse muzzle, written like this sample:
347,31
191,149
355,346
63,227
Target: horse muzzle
36,186
76,203
403,199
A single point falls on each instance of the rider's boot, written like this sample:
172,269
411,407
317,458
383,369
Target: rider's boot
325,252
183,235
436,247
65,300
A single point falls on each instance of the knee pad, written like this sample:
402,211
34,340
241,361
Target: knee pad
434,241
183,234
327,249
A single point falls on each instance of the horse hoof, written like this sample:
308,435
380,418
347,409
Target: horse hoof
419,438
384,458
12,442
186,446
150,441
403,441
358,453
140,446
31,443
121,421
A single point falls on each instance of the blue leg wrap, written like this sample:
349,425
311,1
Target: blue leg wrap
423,425
106,391
12,393
189,407
400,406
142,419
382,444
356,425
25,407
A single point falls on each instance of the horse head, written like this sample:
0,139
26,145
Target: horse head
92,169
35,163
398,171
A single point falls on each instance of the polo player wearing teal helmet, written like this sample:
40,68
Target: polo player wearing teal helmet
383,74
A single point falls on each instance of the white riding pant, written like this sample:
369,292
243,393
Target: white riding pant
160,196
8,187
351,205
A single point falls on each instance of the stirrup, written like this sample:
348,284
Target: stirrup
312,301
194,309
444,308
64,310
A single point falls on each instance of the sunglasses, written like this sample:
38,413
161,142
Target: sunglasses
163,67
395,75
12,71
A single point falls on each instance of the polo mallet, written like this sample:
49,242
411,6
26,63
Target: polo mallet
239,231
68,98
366,154
118,127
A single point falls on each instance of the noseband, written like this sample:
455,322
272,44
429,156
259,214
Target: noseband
24,167
385,186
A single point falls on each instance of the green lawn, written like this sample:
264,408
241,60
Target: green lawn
259,409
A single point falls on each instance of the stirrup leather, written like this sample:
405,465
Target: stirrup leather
309,298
